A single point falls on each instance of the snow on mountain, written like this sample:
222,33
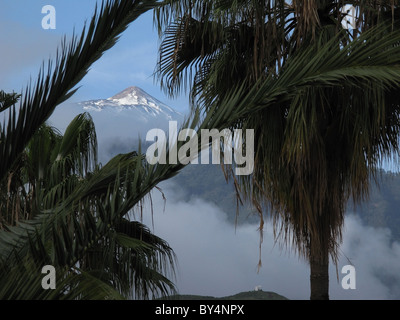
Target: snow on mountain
134,99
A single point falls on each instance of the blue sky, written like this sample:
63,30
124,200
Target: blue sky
25,45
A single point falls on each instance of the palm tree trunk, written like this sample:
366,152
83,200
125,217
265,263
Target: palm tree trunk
319,277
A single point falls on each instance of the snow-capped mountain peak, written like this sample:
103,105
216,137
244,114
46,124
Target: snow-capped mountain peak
135,96
133,99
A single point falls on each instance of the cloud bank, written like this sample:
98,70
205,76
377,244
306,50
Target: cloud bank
216,260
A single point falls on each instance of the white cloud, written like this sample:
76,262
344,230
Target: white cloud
376,259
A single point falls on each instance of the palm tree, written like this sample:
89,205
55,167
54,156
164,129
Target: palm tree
55,209
128,257
319,141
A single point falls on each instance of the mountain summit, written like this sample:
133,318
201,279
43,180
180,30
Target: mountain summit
134,99
135,95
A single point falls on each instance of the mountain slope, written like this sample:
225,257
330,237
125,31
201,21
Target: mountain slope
251,295
138,102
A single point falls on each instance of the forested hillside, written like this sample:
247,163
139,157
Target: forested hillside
382,209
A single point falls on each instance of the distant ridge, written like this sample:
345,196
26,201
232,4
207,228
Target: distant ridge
135,99
250,295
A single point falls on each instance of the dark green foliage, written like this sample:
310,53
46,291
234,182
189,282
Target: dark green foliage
7,100
80,233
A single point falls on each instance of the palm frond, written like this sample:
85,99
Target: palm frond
7,100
